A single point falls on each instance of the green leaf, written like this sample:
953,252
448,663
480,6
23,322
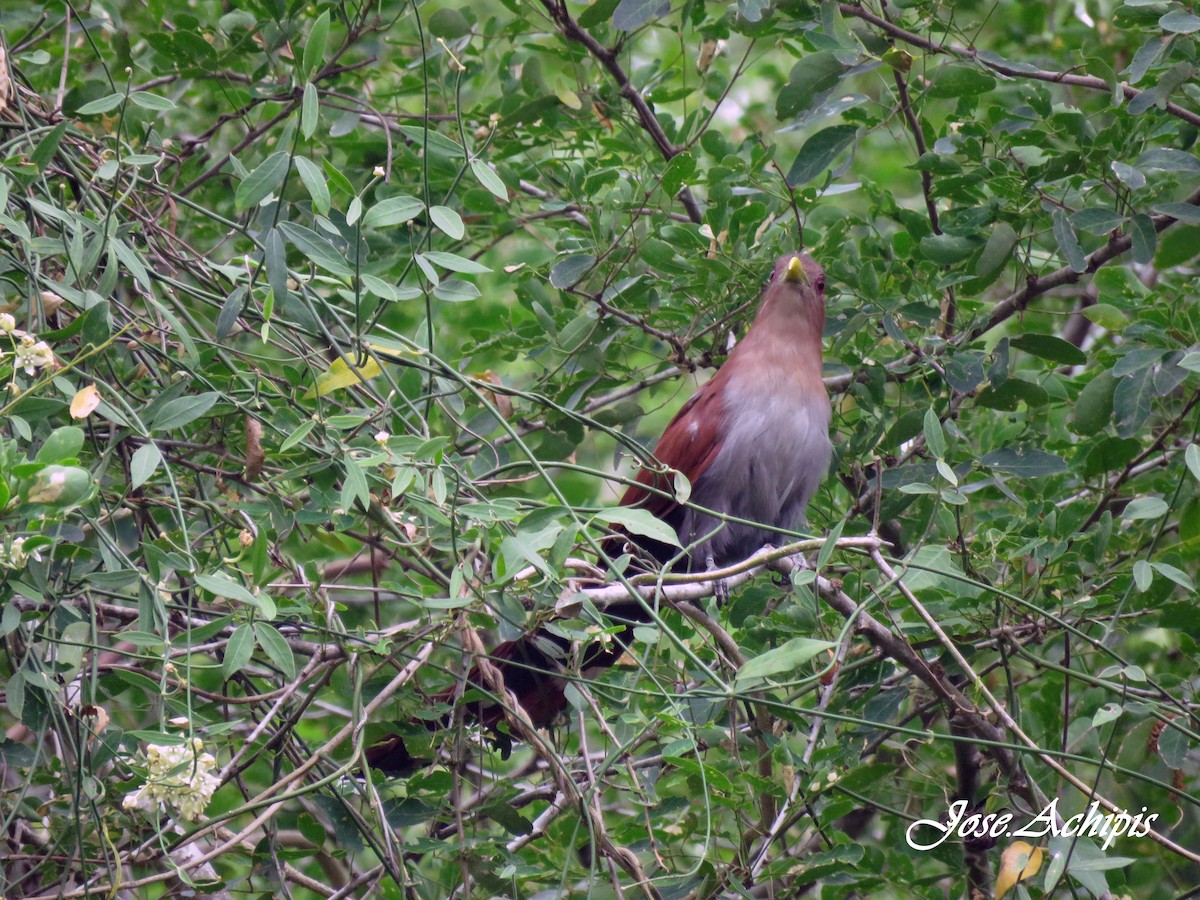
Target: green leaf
946,249
103,105
1011,394
1143,575
262,182
182,410
1185,212
142,465
1173,747
297,436
1180,577
1167,159
392,211
1137,359
316,248
819,151
568,272
599,13
1192,457
785,659
1145,508
146,100
314,47
827,549
640,522
489,179
276,648
1094,405
1068,243
935,438
230,310
996,253
221,585
238,652
813,75
44,152
1047,346
752,10
61,445
1025,462
448,23
456,263
1132,401
275,263
681,167
1097,221
1109,712
310,111
59,486
448,221
1130,176
1146,56
354,486
1106,316
631,14
1180,22
960,79
314,183
437,141
1110,454
337,180
455,290
1145,238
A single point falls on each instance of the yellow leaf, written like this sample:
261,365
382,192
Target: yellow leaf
340,375
1018,862
392,349
85,401
568,97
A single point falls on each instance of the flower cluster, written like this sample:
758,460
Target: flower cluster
179,779
29,353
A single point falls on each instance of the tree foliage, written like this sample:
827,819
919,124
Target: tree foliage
332,331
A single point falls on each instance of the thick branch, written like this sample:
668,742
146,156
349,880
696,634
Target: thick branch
1035,287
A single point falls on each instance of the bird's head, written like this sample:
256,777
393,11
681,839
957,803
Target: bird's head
797,284
798,269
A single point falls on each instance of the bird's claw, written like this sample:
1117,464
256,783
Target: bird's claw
720,585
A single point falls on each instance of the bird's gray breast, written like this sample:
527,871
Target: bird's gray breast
774,453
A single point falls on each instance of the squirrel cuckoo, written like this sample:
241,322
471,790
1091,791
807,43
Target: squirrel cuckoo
754,444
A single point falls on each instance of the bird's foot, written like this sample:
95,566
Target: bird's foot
799,562
720,585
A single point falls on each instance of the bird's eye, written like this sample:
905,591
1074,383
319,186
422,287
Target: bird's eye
821,283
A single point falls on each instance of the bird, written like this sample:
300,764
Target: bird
753,443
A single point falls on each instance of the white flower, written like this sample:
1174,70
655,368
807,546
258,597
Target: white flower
381,438
17,557
378,172
7,322
33,355
179,780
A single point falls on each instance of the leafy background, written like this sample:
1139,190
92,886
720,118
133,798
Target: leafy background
359,316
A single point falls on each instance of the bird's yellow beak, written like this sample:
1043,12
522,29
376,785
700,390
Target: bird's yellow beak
795,271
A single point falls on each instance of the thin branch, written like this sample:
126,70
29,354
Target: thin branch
573,31
1091,82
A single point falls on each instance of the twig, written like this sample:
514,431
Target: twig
573,31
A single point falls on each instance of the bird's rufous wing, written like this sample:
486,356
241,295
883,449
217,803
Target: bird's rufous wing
689,445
